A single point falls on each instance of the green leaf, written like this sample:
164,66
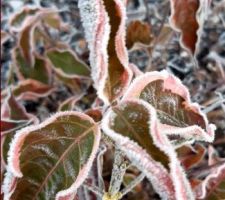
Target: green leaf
40,71
66,63
17,20
53,159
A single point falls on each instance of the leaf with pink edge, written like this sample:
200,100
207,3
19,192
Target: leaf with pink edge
104,24
13,117
69,103
66,63
133,125
29,89
177,114
60,150
25,41
213,185
18,18
187,17
4,37
40,71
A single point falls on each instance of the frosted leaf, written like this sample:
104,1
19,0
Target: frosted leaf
151,152
47,167
105,33
187,17
171,99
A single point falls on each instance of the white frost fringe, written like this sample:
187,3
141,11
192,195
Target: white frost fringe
17,142
134,152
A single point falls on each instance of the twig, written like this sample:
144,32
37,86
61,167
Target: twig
214,106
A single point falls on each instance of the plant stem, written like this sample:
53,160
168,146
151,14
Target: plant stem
101,184
119,169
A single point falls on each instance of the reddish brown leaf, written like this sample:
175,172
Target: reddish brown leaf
25,41
104,23
138,32
212,187
185,19
190,156
132,125
13,117
29,89
177,114
95,114
60,149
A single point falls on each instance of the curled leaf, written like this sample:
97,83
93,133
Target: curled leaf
133,125
60,150
25,41
213,185
104,23
13,117
48,15
11,109
4,37
185,18
171,99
